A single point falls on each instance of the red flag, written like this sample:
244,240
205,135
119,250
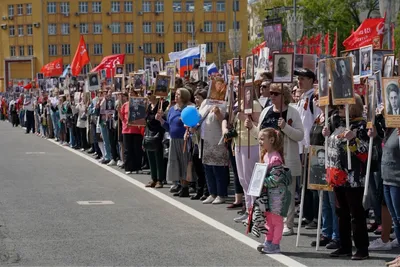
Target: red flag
334,46
52,69
28,86
311,45
299,47
306,41
317,43
20,83
108,63
80,59
326,43
370,32
256,50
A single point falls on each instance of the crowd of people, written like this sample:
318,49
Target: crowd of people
197,161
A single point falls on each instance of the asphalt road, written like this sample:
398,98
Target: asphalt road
42,223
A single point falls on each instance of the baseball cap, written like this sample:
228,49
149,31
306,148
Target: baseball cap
305,73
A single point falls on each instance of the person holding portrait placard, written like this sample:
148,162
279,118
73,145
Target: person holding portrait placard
342,79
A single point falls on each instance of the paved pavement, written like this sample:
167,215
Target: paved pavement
41,222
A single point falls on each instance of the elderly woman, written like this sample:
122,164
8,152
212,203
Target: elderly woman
348,183
178,159
282,116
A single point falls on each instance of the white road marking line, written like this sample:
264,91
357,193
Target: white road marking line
285,260
96,202
35,153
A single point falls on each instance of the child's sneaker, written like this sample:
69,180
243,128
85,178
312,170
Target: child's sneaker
262,246
272,249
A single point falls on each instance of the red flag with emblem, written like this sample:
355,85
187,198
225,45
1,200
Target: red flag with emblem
53,69
80,59
108,63
370,32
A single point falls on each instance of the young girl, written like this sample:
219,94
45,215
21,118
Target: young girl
276,185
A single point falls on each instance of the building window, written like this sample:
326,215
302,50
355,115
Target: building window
222,46
209,47
20,9
115,27
207,6
190,26
160,48
83,28
159,6
221,5
11,30
177,6
12,51
52,29
115,7
147,48
97,28
237,26
130,67
235,5
221,26
30,50
128,27
20,30
128,48
177,26
64,8
11,10
207,26
116,48
146,6
52,50
146,27
128,6
83,7
96,7
178,47
189,6
51,8
29,9
98,49
159,27
21,51
29,29
65,49
65,29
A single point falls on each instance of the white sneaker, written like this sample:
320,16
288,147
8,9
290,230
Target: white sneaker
393,235
112,163
119,163
241,217
395,243
209,200
128,172
378,244
287,231
218,200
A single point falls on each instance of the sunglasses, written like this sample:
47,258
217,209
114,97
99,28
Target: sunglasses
274,93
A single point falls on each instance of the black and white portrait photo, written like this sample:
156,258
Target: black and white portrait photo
371,102
39,76
323,81
162,85
255,61
388,66
196,63
298,62
391,93
249,69
355,55
119,69
110,105
366,61
94,83
248,98
342,80
137,111
138,80
118,83
237,66
377,60
103,74
283,68
317,170
170,70
155,68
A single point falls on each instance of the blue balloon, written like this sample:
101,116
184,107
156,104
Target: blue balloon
190,116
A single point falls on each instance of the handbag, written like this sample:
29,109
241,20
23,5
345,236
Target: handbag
151,141
165,143
83,117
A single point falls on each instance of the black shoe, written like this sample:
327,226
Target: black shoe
341,253
98,157
334,244
197,196
184,192
360,255
323,241
175,188
105,161
90,151
192,190
204,197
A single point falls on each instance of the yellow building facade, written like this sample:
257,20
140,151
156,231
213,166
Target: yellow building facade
36,32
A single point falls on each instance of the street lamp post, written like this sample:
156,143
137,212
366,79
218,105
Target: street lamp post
295,26
235,36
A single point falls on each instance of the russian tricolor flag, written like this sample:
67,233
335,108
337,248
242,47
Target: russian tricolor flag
186,58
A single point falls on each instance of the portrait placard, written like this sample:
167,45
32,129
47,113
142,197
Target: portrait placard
203,55
257,179
237,66
119,69
317,170
217,90
162,85
138,80
94,82
391,93
161,60
366,61
196,62
39,76
323,82
137,111
229,64
355,55
378,88
249,69
154,68
103,74
341,75
248,98
170,70
255,61
370,102
388,65
147,61
378,58
283,68
203,73
119,82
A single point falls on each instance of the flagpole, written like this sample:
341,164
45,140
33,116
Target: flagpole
328,50
337,43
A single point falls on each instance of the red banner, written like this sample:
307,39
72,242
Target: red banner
371,31
80,59
256,50
334,51
53,69
108,63
317,42
326,43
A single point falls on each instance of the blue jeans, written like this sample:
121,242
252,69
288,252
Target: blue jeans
376,194
392,198
55,118
72,142
106,141
217,180
330,227
21,118
44,130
